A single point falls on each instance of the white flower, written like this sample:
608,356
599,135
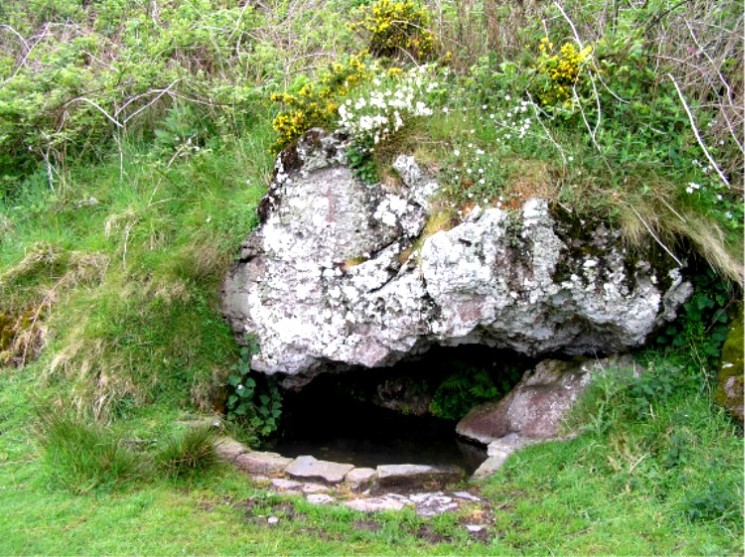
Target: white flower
445,110
507,98
456,153
693,186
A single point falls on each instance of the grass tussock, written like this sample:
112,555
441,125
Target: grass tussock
81,456
186,453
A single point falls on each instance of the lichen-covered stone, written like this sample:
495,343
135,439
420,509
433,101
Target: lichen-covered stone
309,468
331,281
729,393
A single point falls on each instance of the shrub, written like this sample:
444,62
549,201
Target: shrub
395,26
559,72
315,102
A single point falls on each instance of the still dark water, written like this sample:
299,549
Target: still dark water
344,430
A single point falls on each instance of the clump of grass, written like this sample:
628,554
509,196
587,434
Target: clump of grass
81,456
186,453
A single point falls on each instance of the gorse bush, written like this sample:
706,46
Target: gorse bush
394,27
559,73
315,103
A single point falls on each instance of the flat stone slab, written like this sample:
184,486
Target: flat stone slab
414,476
360,479
262,463
229,449
309,468
433,504
377,504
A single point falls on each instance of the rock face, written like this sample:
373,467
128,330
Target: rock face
534,409
333,278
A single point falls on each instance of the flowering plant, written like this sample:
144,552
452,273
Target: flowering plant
383,110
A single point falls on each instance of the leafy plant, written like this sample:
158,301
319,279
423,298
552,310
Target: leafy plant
258,408
363,165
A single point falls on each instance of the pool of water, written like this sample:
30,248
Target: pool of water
359,433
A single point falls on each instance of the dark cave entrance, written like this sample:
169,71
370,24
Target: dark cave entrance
405,414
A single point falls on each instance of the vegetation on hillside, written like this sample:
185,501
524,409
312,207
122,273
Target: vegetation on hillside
137,137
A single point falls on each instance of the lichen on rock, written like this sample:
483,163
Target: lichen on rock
323,285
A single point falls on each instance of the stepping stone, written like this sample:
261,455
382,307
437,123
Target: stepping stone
359,479
416,476
308,468
375,504
229,449
262,463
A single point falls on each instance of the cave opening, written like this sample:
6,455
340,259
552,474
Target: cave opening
406,413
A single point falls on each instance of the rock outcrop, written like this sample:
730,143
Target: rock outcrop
339,274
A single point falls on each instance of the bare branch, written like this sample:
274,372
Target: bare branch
696,132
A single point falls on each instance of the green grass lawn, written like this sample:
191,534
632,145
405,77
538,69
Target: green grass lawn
594,495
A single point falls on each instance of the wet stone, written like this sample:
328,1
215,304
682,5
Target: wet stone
308,467
262,463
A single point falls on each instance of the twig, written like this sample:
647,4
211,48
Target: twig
696,133
98,107
152,102
545,130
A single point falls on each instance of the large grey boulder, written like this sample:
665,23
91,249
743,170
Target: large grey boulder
338,275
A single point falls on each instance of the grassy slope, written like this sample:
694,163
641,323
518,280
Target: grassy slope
152,325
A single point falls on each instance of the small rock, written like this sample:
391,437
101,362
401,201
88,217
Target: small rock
466,496
262,463
307,467
475,528
359,479
272,520
319,499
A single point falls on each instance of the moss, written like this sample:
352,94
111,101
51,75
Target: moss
729,393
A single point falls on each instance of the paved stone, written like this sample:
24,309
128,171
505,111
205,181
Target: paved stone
415,476
229,449
262,463
360,479
376,504
320,499
309,468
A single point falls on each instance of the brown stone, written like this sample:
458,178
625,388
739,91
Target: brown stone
416,476
229,449
537,405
